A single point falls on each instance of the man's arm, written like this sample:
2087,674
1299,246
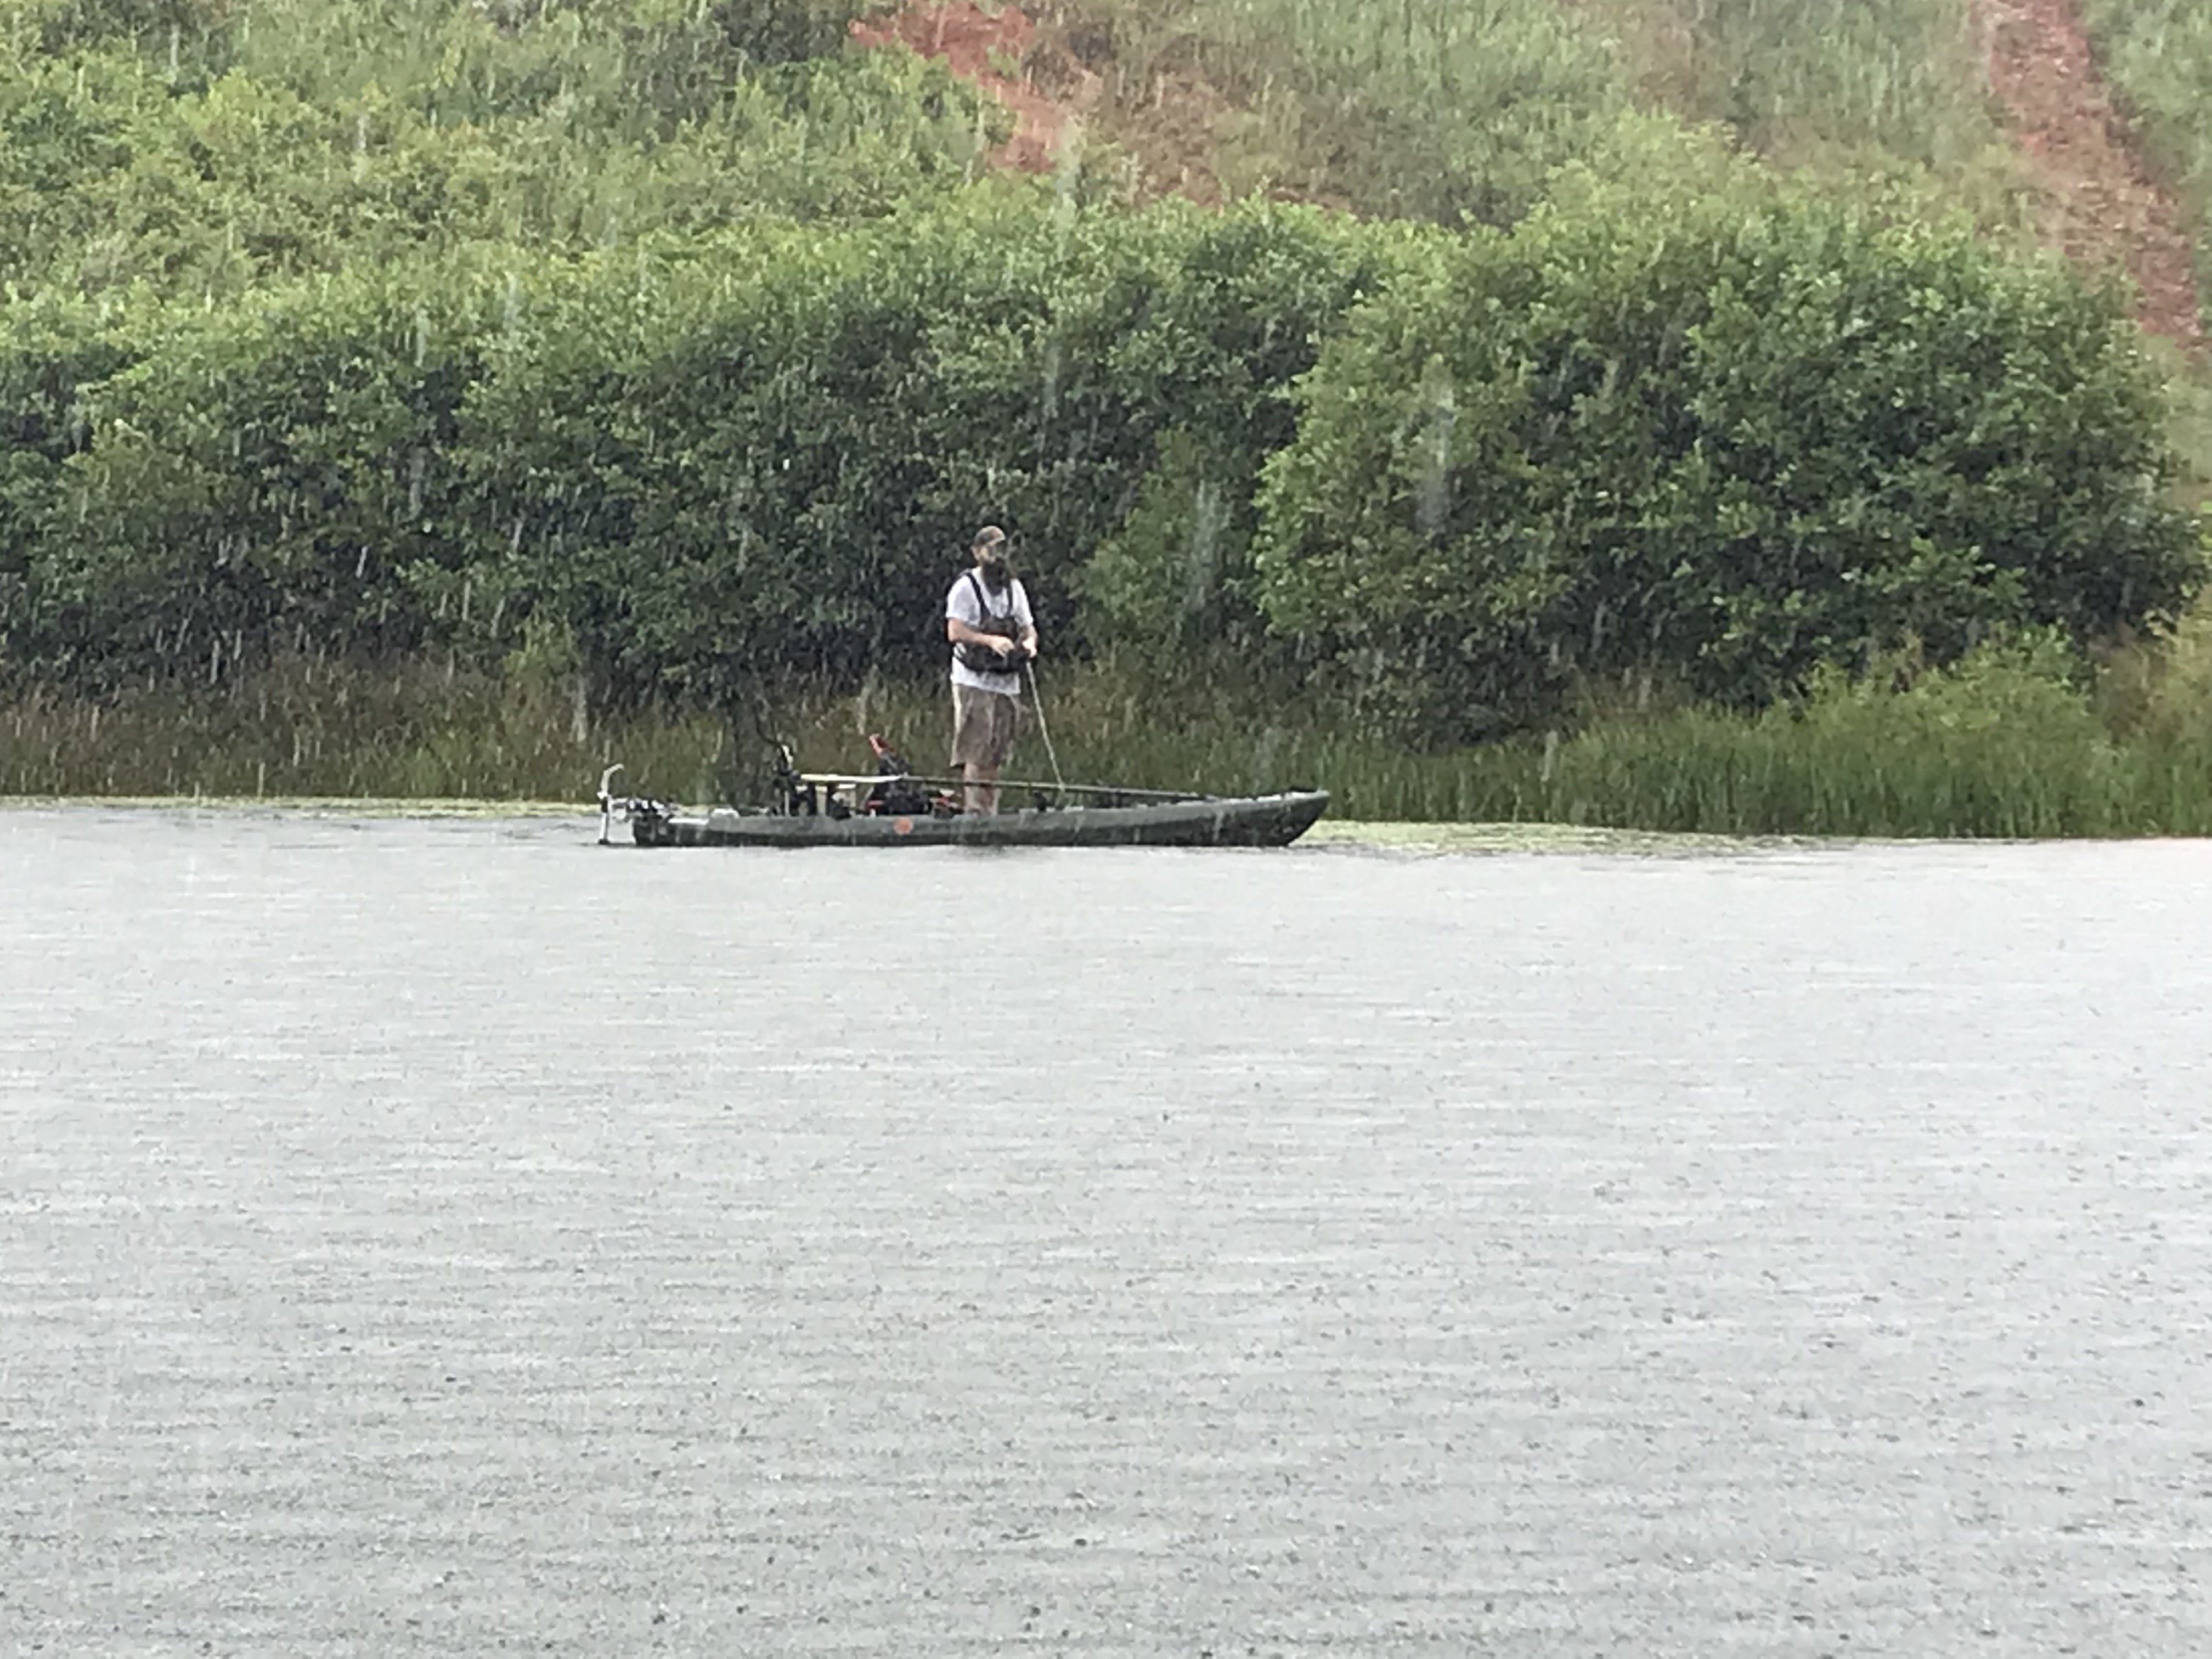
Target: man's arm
1029,621
961,633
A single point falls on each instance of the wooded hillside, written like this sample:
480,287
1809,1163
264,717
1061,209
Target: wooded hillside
679,343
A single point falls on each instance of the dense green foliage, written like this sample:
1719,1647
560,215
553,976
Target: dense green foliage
1722,441
691,464
298,136
1722,446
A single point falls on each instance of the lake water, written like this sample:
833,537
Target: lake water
451,1238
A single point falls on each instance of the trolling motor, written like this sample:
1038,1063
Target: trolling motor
607,802
634,809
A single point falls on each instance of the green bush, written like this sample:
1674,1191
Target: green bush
700,461
1728,439
254,482
54,26
1769,437
626,66
1167,582
54,351
1227,326
774,455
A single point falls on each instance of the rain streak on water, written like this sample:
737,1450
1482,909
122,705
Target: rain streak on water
428,1237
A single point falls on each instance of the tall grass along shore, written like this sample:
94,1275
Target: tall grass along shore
2008,742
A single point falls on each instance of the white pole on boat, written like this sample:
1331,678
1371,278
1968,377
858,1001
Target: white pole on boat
1036,702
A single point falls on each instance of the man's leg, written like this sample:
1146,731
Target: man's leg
1005,726
964,748
982,783
983,727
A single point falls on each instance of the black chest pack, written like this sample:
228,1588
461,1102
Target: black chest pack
980,659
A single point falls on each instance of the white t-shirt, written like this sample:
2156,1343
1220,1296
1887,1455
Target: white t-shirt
970,601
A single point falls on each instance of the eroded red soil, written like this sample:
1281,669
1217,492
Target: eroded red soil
2104,205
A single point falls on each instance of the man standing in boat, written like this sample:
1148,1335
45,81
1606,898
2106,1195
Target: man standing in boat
993,634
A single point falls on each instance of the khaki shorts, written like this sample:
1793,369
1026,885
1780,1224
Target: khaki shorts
984,725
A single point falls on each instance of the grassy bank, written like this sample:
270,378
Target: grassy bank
2007,745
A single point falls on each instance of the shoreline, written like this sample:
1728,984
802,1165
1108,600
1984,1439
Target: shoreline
1347,835
1409,836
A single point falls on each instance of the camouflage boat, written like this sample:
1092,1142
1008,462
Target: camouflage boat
894,807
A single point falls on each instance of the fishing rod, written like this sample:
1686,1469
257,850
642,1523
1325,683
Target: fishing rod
1036,702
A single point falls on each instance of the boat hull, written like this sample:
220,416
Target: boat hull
1252,821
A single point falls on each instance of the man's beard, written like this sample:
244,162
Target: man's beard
995,576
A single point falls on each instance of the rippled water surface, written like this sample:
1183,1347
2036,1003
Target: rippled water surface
425,1237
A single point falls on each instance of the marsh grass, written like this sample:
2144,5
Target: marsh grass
422,730
2009,744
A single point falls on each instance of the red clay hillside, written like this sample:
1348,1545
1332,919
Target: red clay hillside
2102,203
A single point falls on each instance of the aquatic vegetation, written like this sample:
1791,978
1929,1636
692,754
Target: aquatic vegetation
2008,743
